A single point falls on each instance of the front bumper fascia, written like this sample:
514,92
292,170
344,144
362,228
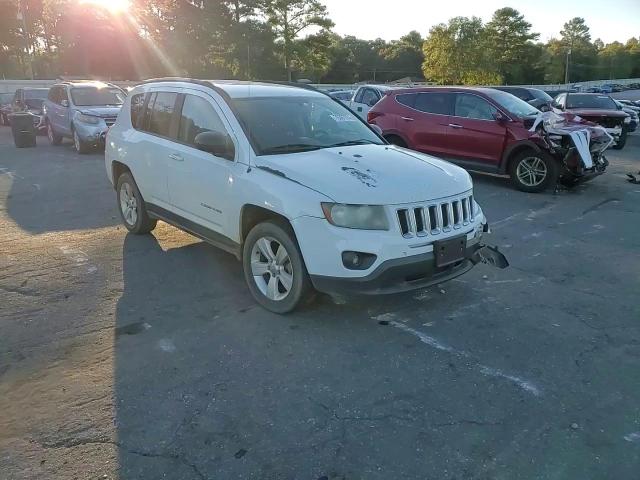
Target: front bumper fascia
409,273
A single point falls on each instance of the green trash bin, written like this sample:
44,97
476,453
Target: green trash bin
23,129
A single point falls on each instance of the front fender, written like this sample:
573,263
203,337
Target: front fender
516,147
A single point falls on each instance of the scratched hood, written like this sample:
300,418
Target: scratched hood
370,174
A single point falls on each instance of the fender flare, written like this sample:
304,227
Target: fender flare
513,149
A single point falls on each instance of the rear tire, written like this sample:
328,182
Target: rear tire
274,268
533,171
131,206
622,141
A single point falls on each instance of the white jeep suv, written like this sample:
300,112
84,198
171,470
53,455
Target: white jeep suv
300,189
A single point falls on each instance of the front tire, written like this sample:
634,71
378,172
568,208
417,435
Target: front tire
80,146
54,138
533,171
132,207
274,268
622,141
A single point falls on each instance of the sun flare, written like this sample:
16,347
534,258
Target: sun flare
113,6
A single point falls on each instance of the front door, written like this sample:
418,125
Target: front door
200,184
474,133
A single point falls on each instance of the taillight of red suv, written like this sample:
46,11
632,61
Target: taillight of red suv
371,116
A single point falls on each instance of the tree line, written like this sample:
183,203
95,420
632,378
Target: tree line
289,39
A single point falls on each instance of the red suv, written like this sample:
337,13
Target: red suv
480,129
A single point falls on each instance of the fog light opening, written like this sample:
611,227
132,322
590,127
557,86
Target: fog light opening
358,260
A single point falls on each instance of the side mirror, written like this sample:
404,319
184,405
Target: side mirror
499,117
64,103
216,143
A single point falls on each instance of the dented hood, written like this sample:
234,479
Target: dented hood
370,174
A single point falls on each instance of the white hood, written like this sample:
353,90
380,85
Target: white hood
370,174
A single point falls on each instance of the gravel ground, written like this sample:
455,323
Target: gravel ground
125,357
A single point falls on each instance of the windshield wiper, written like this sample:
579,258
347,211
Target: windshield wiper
353,142
291,148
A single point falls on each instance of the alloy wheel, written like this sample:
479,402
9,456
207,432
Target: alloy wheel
271,268
76,141
50,132
531,171
128,204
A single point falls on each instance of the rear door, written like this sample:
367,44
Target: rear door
153,141
425,120
474,133
200,183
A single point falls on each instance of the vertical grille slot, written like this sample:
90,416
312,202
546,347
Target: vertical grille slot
421,228
471,208
457,217
465,210
444,212
403,218
433,219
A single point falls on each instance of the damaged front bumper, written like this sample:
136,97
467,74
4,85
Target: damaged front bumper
411,273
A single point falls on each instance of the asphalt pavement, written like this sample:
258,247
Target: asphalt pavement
145,357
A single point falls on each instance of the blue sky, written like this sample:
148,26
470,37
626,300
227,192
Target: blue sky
390,19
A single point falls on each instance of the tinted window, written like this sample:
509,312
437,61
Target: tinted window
472,106
53,94
440,103
137,106
370,97
197,116
161,113
408,99
590,101
93,96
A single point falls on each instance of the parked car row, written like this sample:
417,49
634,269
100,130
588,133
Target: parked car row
79,110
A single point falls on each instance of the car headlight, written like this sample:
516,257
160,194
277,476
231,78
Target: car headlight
90,119
363,217
627,120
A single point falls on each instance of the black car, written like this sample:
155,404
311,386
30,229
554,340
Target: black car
534,96
5,107
31,100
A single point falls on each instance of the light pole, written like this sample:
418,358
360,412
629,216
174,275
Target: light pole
566,70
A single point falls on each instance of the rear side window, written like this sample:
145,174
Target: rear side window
137,110
370,97
408,99
161,113
198,116
440,103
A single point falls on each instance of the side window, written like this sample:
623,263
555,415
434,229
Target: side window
137,106
440,103
16,96
524,94
52,96
358,97
407,99
62,95
472,106
370,97
560,99
161,113
198,116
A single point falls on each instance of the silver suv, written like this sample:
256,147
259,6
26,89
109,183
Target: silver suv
82,111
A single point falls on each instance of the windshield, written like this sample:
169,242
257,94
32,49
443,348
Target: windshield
298,124
94,96
40,93
591,101
513,104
